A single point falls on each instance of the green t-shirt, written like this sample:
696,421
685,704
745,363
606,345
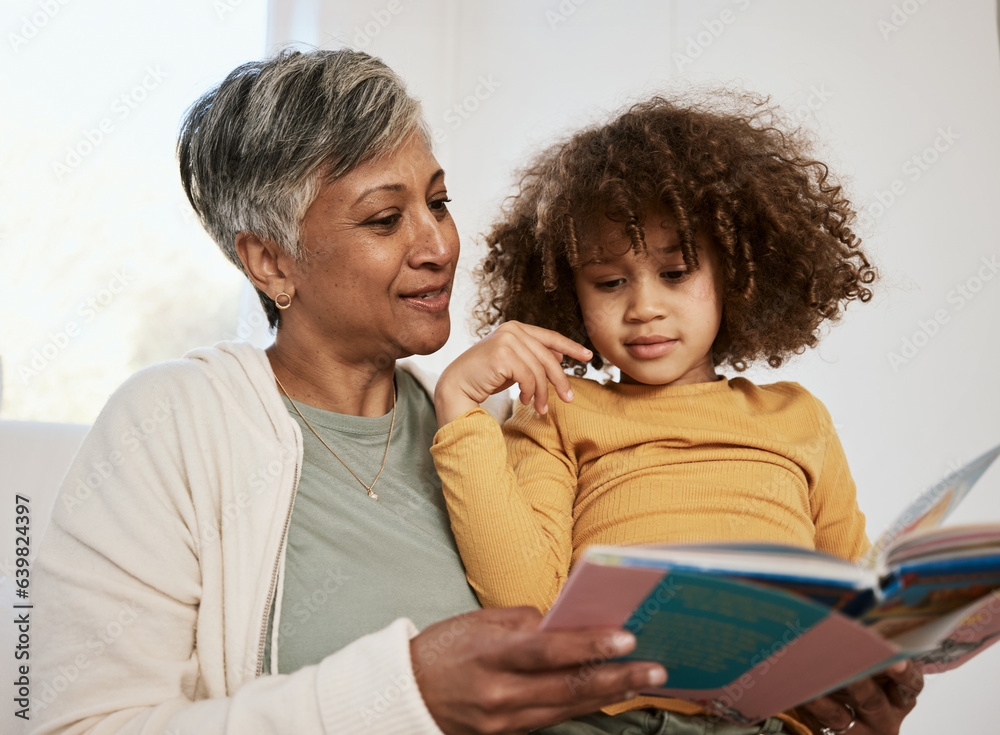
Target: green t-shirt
353,564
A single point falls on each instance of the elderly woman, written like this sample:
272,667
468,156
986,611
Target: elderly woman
262,561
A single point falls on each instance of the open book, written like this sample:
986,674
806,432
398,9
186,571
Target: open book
750,630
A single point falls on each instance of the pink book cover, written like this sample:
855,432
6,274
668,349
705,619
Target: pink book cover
603,596
819,660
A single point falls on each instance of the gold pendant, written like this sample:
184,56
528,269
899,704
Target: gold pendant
385,456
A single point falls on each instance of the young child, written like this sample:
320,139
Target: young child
672,241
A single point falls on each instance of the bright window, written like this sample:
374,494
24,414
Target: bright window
106,267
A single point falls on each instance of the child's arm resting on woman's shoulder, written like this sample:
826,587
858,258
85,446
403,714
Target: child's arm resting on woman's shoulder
514,533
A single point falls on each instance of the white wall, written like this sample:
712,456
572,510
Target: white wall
884,80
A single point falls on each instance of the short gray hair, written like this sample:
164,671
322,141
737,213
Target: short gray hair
255,149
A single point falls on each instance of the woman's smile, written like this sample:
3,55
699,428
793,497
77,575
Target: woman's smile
432,300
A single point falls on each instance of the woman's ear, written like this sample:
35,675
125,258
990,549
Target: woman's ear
265,264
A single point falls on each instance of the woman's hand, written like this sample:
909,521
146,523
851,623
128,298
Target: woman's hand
517,353
879,703
493,671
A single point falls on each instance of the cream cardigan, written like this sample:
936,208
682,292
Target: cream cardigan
152,587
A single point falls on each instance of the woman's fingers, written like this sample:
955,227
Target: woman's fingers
903,682
566,648
493,671
556,696
878,704
829,712
870,704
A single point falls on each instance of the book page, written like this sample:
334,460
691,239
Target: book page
921,592
947,642
933,506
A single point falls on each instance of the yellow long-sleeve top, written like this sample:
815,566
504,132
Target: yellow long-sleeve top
626,464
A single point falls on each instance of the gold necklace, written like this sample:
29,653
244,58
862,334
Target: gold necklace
392,421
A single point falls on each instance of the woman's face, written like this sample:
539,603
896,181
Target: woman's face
379,255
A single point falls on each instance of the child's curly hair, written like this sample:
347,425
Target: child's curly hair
788,258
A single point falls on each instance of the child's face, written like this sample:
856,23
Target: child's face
646,313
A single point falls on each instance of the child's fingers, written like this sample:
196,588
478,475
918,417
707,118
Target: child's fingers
534,357
558,344
544,367
529,375
517,353
551,362
540,385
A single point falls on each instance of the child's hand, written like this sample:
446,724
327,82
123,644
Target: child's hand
514,353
